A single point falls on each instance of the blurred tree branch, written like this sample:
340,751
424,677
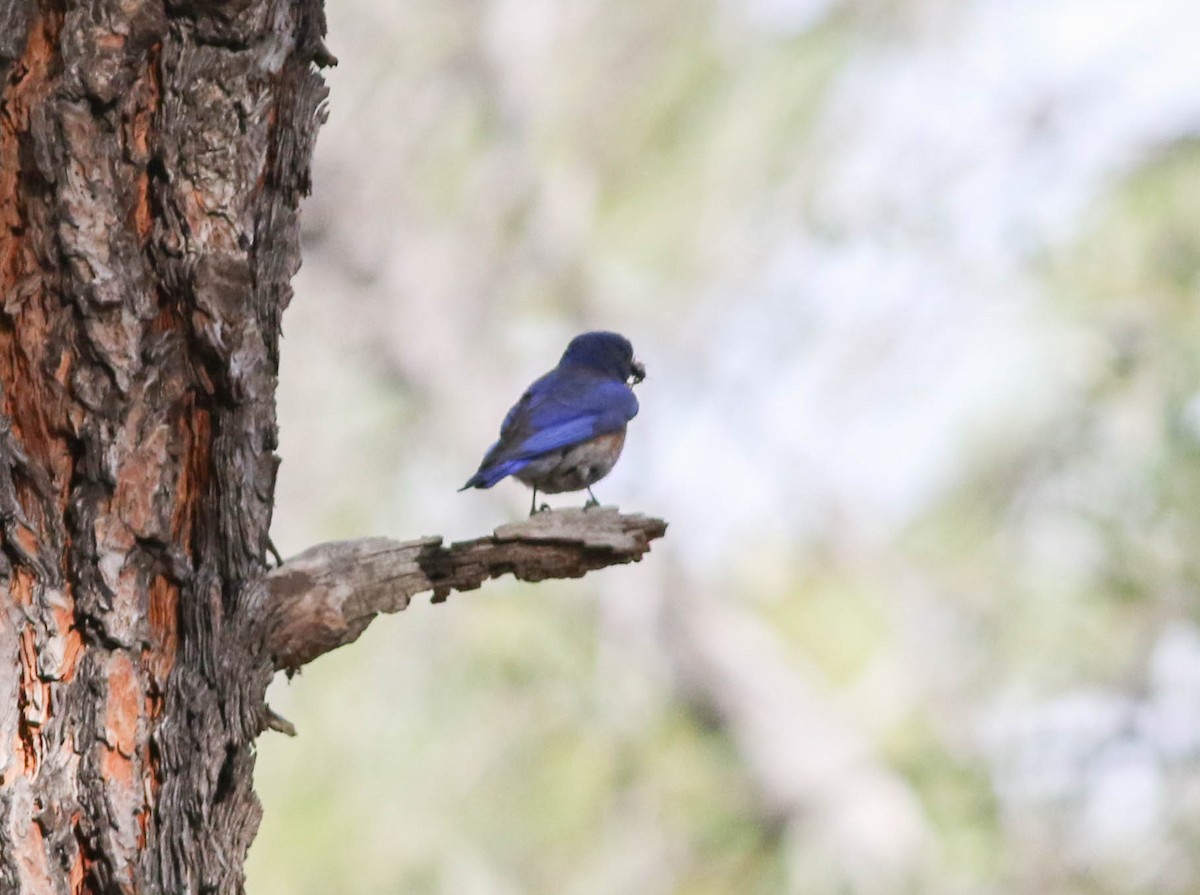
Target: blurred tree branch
813,767
326,596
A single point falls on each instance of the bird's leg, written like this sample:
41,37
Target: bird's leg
534,509
591,501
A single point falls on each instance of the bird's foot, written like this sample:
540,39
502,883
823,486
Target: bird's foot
591,502
544,508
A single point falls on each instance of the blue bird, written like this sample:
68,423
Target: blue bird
567,431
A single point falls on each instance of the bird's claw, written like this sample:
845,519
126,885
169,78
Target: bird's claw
544,508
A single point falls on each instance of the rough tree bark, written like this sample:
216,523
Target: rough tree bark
152,157
153,154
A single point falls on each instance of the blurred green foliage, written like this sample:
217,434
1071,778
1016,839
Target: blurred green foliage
522,740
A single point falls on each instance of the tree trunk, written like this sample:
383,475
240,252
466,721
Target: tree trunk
152,158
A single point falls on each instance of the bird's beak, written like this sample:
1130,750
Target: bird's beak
639,371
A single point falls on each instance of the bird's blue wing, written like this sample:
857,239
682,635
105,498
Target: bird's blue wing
569,413
564,411
570,410
563,408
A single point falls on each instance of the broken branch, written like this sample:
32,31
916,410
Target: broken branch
326,596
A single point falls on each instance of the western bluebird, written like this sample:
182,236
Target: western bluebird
566,432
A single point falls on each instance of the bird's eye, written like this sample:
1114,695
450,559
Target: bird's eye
638,371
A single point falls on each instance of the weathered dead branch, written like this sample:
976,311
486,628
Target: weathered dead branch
326,596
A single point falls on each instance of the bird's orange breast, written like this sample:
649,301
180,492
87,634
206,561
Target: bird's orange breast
612,441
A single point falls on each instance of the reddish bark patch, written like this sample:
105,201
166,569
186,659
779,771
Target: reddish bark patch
164,629
77,874
196,436
33,697
124,705
27,86
163,615
121,715
137,142
33,866
124,789
118,771
34,403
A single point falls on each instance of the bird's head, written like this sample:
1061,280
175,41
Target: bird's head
605,352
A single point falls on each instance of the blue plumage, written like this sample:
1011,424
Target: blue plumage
567,430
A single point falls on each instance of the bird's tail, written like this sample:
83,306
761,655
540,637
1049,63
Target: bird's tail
489,475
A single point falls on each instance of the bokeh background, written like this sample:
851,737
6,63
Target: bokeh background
916,285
